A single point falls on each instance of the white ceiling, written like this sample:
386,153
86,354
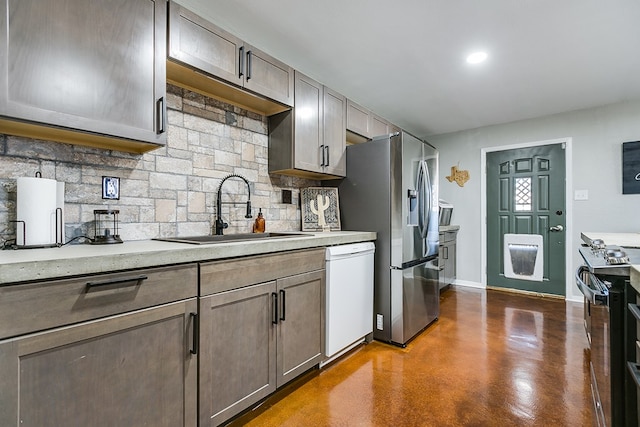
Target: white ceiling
405,59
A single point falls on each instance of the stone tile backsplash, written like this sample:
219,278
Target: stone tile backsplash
166,192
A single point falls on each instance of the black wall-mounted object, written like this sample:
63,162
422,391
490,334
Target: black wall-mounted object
631,167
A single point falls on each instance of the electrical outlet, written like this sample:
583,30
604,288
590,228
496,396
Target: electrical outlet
287,197
379,319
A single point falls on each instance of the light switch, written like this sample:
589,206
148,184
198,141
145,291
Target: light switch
581,195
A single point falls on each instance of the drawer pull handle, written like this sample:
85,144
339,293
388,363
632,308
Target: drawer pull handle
196,333
116,281
635,310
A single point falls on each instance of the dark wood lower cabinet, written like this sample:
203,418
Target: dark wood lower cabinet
301,325
144,348
131,369
238,349
256,338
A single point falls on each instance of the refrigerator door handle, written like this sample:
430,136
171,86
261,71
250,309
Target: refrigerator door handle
424,198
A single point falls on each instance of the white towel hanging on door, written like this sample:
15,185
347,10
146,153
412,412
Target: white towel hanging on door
523,256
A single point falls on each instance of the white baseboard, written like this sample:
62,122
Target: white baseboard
468,284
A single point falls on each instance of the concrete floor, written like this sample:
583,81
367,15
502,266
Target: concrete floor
492,359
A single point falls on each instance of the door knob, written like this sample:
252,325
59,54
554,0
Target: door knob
556,228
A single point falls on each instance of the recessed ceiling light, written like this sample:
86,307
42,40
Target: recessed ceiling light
476,57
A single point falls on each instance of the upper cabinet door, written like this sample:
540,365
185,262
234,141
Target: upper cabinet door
358,119
379,126
202,45
308,126
205,47
267,76
335,133
92,66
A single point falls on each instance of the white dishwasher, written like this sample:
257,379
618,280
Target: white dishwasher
349,297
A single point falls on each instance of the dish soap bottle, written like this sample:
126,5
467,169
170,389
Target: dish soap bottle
259,224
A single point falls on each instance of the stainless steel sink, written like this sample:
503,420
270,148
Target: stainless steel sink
206,240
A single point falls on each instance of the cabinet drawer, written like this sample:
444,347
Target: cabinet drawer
36,306
448,236
220,276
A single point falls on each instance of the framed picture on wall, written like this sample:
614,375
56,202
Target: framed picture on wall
631,167
320,209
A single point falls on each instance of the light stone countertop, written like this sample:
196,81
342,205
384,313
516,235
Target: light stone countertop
629,240
39,264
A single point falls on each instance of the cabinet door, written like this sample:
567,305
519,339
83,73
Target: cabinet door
442,265
308,124
379,126
237,351
358,119
204,46
267,76
449,256
301,326
128,370
335,133
89,65
452,262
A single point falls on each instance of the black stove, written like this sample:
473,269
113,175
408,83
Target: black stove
604,282
609,260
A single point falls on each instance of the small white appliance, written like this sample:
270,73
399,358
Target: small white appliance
349,297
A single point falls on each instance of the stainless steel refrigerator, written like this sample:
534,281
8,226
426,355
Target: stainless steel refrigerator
392,188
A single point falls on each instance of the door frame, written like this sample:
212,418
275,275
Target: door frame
568,159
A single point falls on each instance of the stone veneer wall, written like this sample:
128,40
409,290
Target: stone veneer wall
165,192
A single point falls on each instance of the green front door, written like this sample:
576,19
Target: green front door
526,195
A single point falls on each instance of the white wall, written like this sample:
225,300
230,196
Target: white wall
597,135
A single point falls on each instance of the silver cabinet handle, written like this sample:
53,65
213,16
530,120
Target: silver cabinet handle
556,228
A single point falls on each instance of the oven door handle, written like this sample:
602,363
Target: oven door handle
595,296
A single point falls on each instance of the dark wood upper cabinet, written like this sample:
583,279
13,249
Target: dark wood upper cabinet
85,72
309,141
209,60
364,124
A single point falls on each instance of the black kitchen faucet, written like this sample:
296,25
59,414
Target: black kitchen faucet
220,224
